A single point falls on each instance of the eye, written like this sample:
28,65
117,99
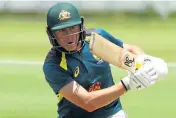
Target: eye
61,30
72,27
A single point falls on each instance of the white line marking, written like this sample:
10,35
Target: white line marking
25,62
21,62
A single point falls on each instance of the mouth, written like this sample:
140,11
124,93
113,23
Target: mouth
71,43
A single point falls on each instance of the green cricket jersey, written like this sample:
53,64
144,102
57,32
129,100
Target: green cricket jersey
89,71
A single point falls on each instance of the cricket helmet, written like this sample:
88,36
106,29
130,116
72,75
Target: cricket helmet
64,15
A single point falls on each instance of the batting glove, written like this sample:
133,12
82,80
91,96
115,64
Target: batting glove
142,78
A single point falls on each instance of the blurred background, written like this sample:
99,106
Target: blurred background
24,92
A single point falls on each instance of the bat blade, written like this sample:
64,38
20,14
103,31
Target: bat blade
112,53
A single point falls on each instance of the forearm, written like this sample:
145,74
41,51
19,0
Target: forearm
105,96
133,49
91,101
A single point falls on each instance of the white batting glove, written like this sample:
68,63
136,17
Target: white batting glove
160,66
142,78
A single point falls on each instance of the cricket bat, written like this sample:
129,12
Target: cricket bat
113,53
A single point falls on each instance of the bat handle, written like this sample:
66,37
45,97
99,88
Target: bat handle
131,62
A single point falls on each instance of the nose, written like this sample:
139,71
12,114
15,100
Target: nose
68,35
69,38
68,31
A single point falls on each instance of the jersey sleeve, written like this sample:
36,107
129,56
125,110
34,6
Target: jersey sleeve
56,76
109,37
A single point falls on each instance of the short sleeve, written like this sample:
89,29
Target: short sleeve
108,36
56,76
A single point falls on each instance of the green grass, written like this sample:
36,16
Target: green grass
24,92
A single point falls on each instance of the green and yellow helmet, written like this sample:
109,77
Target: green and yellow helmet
63,15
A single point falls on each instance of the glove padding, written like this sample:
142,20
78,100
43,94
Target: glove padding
142,78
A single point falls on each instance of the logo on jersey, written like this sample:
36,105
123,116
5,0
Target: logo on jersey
98,59
76,73
64,15
95,86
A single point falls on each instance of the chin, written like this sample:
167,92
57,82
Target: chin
72,48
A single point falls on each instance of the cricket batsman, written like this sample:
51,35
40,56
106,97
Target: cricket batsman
83,82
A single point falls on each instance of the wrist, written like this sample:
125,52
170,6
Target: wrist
125,83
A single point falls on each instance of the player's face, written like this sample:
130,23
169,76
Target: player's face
68,38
